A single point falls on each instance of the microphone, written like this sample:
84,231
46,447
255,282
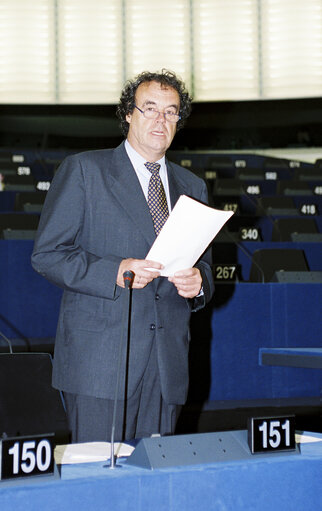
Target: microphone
248,255
8,341
258,206
128,279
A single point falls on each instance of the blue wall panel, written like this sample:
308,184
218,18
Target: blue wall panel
28,303
264,315
226,336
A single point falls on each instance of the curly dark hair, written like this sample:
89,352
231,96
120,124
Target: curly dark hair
167,79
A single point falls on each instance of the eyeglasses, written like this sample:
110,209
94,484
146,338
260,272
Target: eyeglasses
152,113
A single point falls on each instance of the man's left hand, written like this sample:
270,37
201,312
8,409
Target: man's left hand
188,282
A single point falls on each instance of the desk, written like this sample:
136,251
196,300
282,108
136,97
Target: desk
266,484
291,357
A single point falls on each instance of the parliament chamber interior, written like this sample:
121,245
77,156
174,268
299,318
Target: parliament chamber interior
255,350
267,268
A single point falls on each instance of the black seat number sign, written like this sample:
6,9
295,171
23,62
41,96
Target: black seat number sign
271,434
27,456
309,209
249,234
225,272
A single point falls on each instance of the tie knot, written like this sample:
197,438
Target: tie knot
153,167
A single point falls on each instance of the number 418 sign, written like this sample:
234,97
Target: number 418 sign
271,434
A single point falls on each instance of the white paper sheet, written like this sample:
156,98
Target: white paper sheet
189,230
89,452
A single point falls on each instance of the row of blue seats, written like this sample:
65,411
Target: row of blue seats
255,219
216,187
42,165
230,174
27,179
287,187
242,205
232,163
20,225
263,207
266,261
246,199
272,205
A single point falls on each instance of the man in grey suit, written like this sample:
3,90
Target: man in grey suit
95,225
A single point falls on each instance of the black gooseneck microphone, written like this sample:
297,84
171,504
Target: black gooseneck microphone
265,214
8,341
248,255
128,277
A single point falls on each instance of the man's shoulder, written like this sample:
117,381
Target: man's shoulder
96,155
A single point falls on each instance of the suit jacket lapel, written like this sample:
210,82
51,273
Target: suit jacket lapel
125,186
176,187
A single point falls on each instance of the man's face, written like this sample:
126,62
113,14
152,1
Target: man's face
152,137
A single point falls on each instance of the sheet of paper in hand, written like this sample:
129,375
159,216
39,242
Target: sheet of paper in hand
189,230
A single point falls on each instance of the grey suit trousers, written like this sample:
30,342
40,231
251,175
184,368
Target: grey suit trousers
145,413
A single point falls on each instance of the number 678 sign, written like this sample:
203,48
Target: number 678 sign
271,434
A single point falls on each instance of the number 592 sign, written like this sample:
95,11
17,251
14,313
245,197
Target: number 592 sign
271,434
27,456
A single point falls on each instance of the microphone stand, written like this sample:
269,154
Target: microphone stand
128,278
8,341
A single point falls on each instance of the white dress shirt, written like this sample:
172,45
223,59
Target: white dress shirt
144,174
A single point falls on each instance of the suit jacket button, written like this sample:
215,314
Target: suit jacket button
152,326
157,297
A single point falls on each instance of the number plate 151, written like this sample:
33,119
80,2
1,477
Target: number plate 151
271,434
27,456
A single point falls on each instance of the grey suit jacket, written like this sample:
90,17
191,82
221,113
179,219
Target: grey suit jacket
95,215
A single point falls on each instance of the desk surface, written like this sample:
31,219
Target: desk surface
266,484
291,357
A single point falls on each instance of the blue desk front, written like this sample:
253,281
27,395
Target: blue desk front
226,335
291,357
278,483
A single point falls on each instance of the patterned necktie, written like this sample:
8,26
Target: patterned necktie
157,200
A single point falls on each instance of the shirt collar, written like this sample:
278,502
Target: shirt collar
137,160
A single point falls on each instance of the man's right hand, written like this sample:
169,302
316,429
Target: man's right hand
142,276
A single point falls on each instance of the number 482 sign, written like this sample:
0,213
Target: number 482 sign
271,434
